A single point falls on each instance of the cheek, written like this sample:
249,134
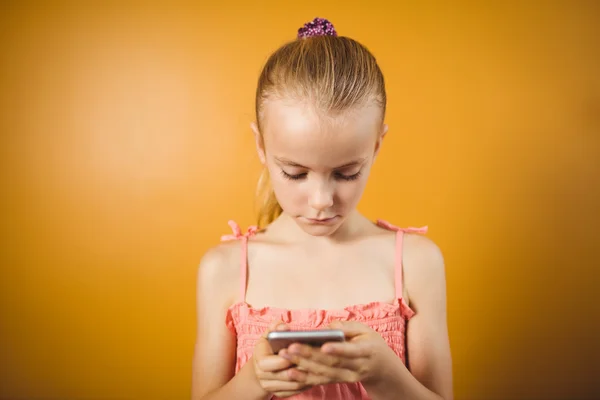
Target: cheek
288,192
349,193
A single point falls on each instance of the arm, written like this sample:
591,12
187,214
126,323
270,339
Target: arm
214,354
428,348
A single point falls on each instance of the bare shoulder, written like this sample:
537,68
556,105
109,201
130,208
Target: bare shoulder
219,272
424,267
422,251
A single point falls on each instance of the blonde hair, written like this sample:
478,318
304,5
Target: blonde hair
332,73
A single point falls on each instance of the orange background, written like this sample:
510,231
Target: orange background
125,148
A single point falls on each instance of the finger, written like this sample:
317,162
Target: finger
275,325
313,361
297,351
262,347
273,363
283,353
316,380
321,371
282,327
311,353
288,375
350,328
281,386
357,349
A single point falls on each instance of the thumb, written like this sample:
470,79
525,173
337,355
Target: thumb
262,348
274,326
350,328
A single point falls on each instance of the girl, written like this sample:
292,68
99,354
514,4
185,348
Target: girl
317,262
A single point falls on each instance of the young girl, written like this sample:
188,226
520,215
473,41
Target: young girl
316,262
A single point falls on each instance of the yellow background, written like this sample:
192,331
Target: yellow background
125,148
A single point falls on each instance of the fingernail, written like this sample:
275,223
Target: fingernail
273,325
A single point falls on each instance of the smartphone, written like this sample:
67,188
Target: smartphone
318,337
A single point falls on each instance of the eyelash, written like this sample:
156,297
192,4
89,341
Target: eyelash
347,178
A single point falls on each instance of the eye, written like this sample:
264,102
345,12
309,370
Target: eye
348,177
338,176
293,177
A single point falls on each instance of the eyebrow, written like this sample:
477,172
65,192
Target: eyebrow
283,160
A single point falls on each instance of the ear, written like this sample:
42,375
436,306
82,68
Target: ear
260,144
384,130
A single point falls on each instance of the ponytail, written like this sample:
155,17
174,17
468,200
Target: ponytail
268,206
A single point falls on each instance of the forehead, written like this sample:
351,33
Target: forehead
298,132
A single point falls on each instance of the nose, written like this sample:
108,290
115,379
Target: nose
322,197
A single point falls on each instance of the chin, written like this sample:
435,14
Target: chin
320,231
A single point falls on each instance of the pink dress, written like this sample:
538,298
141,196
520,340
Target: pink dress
388,319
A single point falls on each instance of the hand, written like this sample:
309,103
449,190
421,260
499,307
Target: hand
275,374
359,359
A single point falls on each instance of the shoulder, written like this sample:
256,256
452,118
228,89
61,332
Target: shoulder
424,265
417,248
423,251
219,272
219,259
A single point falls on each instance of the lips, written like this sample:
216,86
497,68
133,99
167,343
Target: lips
321,220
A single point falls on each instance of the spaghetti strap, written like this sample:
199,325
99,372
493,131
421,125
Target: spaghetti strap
398,275
237,235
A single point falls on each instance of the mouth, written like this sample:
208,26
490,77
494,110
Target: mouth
321,220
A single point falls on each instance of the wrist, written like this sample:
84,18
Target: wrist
380,382
254,390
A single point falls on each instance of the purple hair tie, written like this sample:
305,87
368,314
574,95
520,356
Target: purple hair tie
317,27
